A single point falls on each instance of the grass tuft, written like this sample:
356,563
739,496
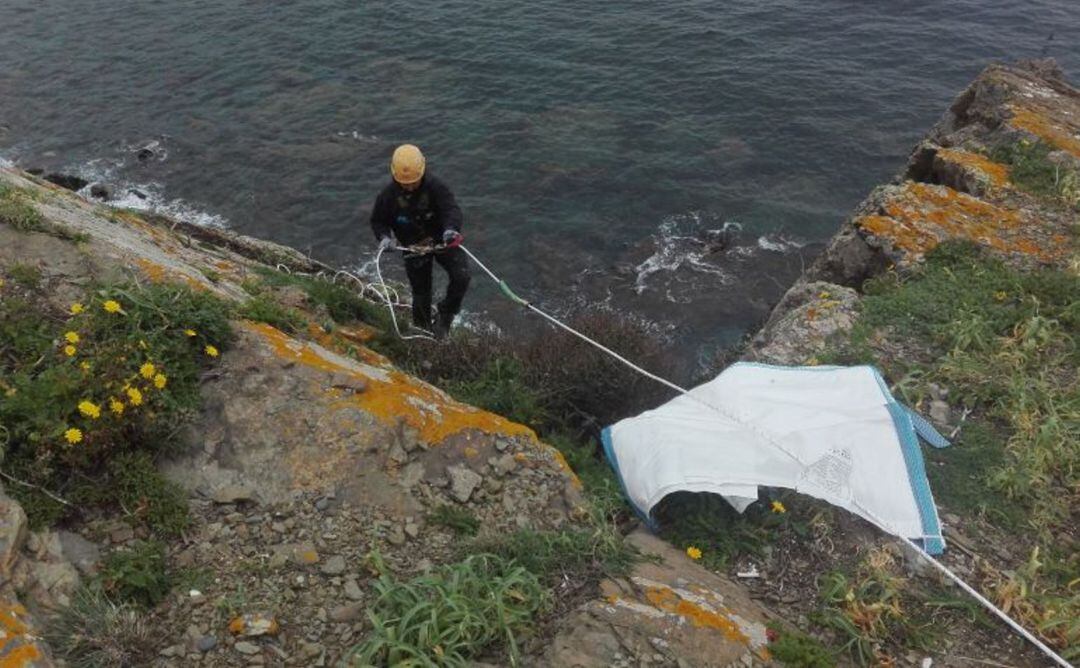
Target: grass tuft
136,575
262,308
95,631
451,615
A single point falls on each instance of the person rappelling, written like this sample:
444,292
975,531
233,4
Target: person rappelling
421,213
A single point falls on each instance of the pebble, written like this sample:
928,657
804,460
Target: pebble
397,536
346,613
463,481
353,591
322,504
246,647
206,643
335,565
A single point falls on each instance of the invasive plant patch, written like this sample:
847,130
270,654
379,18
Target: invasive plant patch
452,615
84,390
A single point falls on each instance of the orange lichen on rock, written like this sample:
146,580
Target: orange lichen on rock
1032,121
17,645
918,216
669,600
391,395
997,174
156,273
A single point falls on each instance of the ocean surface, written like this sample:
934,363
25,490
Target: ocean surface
598,149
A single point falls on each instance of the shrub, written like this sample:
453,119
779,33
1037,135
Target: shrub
137,575
118,374
451,615
262,308
94,631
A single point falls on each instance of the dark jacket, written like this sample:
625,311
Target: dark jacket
415,216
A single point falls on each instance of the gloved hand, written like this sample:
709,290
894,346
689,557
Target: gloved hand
452,238
385,243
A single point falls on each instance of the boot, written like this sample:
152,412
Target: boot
443,321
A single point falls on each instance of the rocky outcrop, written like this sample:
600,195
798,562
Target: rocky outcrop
668,611
20,636
950,189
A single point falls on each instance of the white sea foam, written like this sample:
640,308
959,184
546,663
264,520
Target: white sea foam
148,196
778,243
676,250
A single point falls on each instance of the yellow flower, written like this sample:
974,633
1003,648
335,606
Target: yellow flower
111,306
824,294
89,409
693,553
189,332
211,351
71,337
116,406
69,351
160,380
73,435
147,370
1001,295
76,308
84,365
778,507
134,396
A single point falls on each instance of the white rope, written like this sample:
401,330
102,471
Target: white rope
385,295
881,525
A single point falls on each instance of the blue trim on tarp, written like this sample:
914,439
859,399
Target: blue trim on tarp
926,430
909,426
609,453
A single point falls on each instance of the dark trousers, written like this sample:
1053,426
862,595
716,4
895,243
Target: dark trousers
419,268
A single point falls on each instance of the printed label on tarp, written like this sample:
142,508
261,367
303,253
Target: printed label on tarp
831,473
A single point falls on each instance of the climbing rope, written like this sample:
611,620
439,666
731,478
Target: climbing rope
385,296
881,525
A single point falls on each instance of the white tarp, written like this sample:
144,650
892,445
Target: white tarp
834,433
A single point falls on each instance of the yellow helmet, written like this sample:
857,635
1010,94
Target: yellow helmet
407,165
